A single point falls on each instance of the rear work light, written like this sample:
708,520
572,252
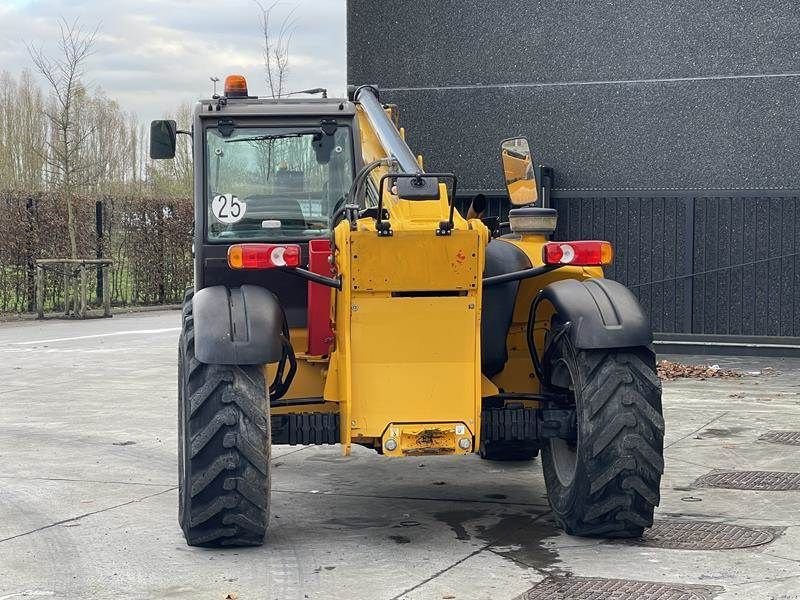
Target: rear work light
263,256
584,253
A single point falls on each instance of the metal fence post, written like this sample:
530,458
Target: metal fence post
106,291
40,291
66,289
98,221
83,291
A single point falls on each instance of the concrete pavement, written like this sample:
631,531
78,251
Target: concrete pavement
88,496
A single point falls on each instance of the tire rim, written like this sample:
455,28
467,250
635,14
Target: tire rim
565,453
565,460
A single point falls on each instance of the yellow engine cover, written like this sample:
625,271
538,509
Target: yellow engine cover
412,328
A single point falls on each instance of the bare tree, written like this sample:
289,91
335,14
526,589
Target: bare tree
63,73
275,49
23,129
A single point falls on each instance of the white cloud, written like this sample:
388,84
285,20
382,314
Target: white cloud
154,54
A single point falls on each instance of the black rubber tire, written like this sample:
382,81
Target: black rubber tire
223,448
618,457
506,451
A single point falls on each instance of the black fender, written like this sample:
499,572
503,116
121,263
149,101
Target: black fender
497,305
602,313
237,326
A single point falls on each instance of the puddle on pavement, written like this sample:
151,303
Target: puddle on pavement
456,520
517,536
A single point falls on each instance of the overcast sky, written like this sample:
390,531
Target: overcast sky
153,54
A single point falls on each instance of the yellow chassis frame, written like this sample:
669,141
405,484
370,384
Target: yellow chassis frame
404,373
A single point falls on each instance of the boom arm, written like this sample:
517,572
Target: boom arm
387,155
384,130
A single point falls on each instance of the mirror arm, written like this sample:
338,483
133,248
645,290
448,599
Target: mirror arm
518,275
189,133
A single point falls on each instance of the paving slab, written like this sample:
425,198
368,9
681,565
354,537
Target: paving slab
88,501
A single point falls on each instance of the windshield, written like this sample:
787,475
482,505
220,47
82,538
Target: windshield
283,183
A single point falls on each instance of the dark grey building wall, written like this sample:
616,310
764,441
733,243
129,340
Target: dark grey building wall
673,128
690,94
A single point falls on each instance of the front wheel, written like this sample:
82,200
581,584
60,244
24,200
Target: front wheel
606,481
224,449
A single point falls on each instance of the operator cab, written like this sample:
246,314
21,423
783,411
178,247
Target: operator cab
266,170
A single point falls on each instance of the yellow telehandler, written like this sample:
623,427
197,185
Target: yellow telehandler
340,298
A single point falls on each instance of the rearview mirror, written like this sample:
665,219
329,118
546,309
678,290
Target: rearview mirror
162,139
518,171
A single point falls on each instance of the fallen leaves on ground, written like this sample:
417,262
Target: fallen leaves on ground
669,370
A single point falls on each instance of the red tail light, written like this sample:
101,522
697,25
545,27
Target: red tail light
583,253
263,256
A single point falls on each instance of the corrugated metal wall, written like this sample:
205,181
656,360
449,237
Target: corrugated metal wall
723,263
714,264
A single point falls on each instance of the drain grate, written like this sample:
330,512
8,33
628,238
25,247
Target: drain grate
595,588
751,480
787,438
704,535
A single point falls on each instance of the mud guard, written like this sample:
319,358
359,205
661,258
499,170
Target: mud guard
603,313
237,326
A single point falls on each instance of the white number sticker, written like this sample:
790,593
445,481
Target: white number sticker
227,208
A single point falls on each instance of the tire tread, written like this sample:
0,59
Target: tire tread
226,492
623,435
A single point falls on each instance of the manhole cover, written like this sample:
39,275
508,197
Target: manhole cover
594,588
787,438
704,535
751,480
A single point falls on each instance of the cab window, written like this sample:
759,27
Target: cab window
271,183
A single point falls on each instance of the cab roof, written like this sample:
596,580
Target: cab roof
284,107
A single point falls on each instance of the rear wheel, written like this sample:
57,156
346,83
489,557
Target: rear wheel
606,481
223,449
